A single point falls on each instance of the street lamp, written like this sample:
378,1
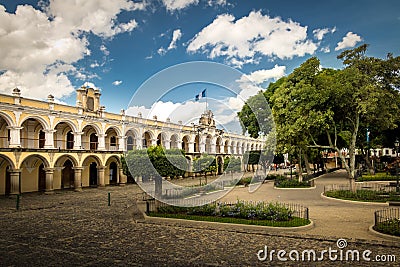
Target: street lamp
397,145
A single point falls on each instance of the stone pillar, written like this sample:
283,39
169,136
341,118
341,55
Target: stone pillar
15,136
78,140
49,180
14,181
229,149
102,142
139,143
122,177
202,147
153,142
49,138
121,143
213,149
78,178
191,147
100,175
166,144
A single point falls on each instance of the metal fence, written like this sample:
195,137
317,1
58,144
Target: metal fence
384,188
388,221
297,211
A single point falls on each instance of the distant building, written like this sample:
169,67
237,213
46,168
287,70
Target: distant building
45,145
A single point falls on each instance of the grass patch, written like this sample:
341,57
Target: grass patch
294,222
390,227
283,182
364,195
377,177
241,212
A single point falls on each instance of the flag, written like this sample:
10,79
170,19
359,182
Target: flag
200,96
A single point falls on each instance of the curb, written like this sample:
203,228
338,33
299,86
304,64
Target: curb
390,237
224,226
355,202
294,188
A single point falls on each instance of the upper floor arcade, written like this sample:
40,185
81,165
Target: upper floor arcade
33,124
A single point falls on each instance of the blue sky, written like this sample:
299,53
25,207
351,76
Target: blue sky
56,46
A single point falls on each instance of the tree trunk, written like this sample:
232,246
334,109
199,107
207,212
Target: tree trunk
306,162
352,153
299,169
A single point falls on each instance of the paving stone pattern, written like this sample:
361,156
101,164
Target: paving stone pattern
80,229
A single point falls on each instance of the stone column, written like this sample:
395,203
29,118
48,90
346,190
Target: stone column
153,142
166,144
191,147
213,149
202,147
15,136
100,175
78,140
49,180
139,143
121,143
14,181
78,178
49,138
122,177
101,142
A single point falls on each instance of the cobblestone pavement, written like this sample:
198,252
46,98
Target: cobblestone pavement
80,229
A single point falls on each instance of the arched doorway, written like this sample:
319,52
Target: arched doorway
93,174
67,175
113,173
42,178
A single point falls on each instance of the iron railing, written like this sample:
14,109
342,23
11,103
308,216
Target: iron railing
388,221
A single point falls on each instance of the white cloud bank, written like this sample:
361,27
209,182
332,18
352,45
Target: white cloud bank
241,40
39,48
350,40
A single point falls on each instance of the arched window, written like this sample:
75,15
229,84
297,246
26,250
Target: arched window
129,145
93,141
42,139
90,104
113,141
70,140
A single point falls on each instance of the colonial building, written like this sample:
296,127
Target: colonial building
45,145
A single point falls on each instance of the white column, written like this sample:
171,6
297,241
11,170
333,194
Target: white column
100,175
78,140
166,144
49,138
191,147
78,178
15,136
14,181
121,143
49,180
139,143
153,142
202,147
101,142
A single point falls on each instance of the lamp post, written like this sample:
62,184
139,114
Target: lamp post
397,145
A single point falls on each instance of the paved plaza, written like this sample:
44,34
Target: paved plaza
80,229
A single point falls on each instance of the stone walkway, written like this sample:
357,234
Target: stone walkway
70,228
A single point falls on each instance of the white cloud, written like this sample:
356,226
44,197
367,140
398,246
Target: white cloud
326,49
176,36
39,48
116,83
260,76
161,51
320,33
217,2
243,39
350,40
172,5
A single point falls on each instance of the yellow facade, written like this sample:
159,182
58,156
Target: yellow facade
46,146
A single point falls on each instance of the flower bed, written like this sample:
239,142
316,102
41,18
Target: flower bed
241,212
364,195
